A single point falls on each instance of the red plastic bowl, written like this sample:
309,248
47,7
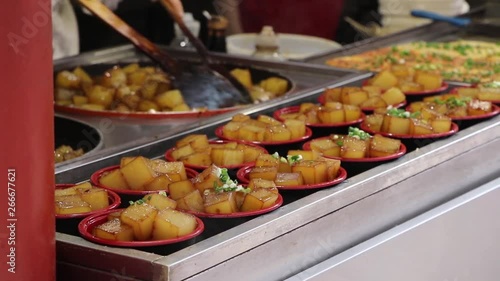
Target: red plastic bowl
294,109
454,129
114,202
87,225
322,100
401,152
455,90
495,111
94,179
168,156
444,87
144,115
219,134
275,206
242,176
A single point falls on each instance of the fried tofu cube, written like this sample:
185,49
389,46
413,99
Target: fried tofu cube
251,133
169,99
250,153
258,199
180,189
267,173
196,141
333,94
114,230
175,170
243,76
275,85
201,158
297,128
268,120
161,182
114,179
183,151
138,173
262,183
227,156
330,115
420,127
381,146
141,218
374,122
396,125
65,192
97,198
306,154
207,179
354,148
393,96
429,81
313,171
171,224
289,179
266,160
277,133
71,204
355,97
332,168
384,80
441,124
220,203
192,201
352,113
327,147
374,102
159,201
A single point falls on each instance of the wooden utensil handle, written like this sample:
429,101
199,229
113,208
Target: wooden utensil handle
149,48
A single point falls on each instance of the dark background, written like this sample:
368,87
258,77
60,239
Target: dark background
153,21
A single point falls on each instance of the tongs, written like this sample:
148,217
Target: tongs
202,85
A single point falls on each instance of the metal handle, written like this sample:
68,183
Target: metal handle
460,22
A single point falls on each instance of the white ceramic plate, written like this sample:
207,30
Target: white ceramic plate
292,46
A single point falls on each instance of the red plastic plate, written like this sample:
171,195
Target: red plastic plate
401,152
87,225
454,129
218,133
114,202
294,109
275,206
168,156
94,179
242,176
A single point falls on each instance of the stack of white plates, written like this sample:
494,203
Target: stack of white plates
396,13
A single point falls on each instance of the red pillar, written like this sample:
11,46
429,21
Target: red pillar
27,242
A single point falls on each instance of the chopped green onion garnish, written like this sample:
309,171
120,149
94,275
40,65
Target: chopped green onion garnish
358,133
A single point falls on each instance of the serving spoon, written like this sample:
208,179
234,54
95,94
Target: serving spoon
201,86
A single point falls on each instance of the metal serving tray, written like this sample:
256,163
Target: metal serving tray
436,31
122,133
309,228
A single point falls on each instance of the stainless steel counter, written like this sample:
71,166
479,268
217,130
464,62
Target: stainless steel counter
457,240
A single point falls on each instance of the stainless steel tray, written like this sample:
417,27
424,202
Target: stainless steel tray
290,239
122,133
436,31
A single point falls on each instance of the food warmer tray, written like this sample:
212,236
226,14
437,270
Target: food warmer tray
309,228
435,31
121,133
